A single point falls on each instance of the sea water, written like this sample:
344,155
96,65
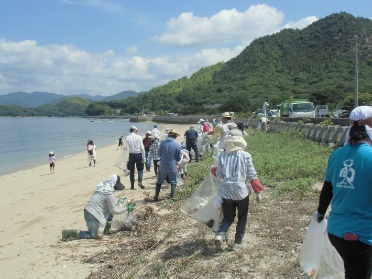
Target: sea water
26,142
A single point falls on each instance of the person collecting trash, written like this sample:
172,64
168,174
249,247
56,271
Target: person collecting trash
98,210
347,188
233,167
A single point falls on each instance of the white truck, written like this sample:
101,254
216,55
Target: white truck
322,111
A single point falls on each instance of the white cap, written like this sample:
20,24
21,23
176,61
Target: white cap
201,120
133,128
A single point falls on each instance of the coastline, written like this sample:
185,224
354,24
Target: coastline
36,206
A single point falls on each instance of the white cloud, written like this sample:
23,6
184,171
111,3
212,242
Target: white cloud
65,69
225,26
302,23
132,50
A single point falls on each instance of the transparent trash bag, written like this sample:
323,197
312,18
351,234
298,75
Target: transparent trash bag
312,247
331,263
124,222
318,258
200,204
122,160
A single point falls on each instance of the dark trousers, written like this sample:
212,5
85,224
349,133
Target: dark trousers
156,166
191,143
135,160
229,208
357,257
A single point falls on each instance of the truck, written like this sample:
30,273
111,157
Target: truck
297,108
322,111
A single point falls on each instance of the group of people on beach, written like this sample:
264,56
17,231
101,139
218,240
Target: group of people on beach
233,167
347,185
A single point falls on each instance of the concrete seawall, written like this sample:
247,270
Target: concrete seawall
330,135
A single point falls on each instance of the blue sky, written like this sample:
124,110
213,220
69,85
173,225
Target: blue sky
103,47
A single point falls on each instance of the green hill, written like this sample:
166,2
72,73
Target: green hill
317,62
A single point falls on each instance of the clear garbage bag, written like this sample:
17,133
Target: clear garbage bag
318,258
122,161
331,263
209,216
312,247
124,222
200,204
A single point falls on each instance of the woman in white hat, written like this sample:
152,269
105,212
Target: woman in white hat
348,188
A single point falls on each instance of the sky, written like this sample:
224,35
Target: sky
104,47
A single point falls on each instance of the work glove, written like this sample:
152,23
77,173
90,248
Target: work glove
121,200
319,217
213,171
129,208
258,197
256,185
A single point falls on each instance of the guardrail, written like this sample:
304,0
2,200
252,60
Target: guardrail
330,135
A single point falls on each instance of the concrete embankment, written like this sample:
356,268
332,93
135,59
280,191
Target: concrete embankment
330,135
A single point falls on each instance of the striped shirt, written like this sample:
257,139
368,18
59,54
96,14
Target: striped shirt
153,152
232,170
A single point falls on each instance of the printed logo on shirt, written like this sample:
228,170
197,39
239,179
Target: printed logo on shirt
347,174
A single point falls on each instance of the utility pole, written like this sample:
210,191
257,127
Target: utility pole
356,72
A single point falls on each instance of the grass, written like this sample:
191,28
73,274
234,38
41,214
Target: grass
285,161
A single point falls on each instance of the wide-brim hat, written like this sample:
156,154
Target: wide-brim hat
226,115
173,132
51,153
118,185
201,120
133,128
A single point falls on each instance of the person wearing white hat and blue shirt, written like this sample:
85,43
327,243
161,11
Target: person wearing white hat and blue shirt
347,188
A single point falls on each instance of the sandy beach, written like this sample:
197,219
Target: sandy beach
36,206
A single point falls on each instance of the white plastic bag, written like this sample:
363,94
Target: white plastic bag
122,160
206,190
331,263
209,216
312,247
124,222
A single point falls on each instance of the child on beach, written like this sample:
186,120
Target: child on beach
52,161
91,153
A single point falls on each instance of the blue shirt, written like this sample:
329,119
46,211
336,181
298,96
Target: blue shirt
169,152
191,134
350,172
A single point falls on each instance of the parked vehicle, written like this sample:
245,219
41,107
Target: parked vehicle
297,108
322,111
341,113
259,112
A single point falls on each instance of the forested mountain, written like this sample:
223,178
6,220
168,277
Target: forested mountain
120,96
37,99
317,62
70,106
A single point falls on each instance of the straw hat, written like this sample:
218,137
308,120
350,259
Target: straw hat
173,132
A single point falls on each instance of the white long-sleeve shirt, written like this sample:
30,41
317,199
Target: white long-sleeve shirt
134,144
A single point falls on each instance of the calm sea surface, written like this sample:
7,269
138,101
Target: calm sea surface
26,142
